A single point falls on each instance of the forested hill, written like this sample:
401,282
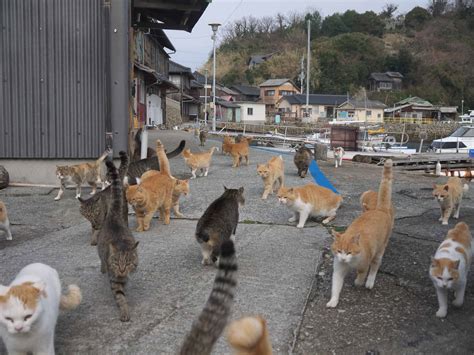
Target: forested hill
433,48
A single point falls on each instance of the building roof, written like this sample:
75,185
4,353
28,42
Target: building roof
414,100
364,103
225,89
160,36
175,68
394,74
259,58
154,77
225,103
246,90
201,78
276,82
387,76
315,99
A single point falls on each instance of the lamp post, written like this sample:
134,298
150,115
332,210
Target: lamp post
205,98
214,27
462,107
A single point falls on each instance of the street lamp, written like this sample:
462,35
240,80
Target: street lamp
214,27
462,107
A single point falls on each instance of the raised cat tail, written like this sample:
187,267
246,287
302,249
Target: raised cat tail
116,187
162,158
384,200
249,335
177,151
72,299
124,162
211,322
103,156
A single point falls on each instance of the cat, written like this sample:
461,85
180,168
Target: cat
338,154
450,266
219,223
4,222
249,336
240,150
79,174
29,309
310,200
137,168
302,159
154,191
137,151
449,197
211,322
95,208
197,161
180,188
202,138
116,245
227,143
368,201
363,244
272,173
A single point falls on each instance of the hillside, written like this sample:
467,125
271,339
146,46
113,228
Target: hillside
433,48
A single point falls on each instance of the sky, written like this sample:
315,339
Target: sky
192,49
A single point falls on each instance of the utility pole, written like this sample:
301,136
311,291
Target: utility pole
205,98
214,27
307,69
302,75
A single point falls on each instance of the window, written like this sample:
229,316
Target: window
250,111
286,92
269,92
368,113
378,115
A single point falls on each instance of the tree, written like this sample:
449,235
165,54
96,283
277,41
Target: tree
389,10
416,18
333,25
369,23
316,21
438,7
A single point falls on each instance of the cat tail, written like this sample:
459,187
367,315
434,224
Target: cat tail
213,318
103,156
465,187
162,158
384,200
124,162
72,299
116,187
177,151
249,335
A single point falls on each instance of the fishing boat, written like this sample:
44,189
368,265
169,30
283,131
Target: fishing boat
460,141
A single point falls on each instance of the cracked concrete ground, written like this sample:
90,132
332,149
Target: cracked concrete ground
284,272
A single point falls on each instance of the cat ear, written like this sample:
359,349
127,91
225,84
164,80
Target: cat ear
446,187
356,239
241,190
3,290
41,287
290,190
225,188
135,246
456,264
434,262
336,234
138,181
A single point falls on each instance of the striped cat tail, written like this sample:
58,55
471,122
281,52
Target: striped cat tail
123,168
211,322
116,203
384,201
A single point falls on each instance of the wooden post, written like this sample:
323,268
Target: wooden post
320,151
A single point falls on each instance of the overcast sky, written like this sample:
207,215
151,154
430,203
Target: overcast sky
192,49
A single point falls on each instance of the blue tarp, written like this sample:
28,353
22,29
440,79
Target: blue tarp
319,177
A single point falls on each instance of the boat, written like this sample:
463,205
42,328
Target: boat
468,117
460,141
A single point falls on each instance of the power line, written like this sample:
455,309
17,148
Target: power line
233,11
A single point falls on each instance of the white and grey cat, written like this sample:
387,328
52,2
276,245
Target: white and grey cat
4,222
29,309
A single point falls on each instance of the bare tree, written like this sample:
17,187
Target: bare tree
389,10
438,7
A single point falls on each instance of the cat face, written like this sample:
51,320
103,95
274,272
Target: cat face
181,187
62,171
444,272
286,196
20,306
186,153
123,262
263,170
346,249
440,192
135,195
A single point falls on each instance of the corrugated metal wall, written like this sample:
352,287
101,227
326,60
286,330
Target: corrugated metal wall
52,92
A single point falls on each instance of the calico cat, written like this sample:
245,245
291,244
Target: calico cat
249,336
219,223
240,150
310,200
227,144
79,174
302,159
197,161
154,191
272,173
202,138
4,222
338,154
137,168
29,309
95,208
449,197
211,322
363,244
116,245
450,266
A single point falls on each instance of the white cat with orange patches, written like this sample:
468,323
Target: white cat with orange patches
450,266
29,309
362,245
449,197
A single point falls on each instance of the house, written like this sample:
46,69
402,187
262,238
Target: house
272,90
387,81
251,112
255,60
246,92
360,110
181,76
226,111
415,108
321,106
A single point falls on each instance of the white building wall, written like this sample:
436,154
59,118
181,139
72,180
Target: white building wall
258,114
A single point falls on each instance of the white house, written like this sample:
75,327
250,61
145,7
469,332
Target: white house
361,110
252,112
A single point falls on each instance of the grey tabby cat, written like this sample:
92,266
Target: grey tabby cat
219,223
116,245
211,322
302,159
95,208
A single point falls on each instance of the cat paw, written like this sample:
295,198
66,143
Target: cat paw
206,262
124,317
264,197
370,284
139,229
332,303
179,215
440,219
57,198
358,282
441,313
456,216
300,226
458,303
444,223
78,195
291,219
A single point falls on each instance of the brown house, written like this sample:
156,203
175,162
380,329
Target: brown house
272,90
388,81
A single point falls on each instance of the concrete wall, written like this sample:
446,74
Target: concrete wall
258,112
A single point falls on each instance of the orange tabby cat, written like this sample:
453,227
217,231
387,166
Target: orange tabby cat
272,173
197,161
227,144
154,191
449,197
363,244
368,201
249,336
240,150
310,199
